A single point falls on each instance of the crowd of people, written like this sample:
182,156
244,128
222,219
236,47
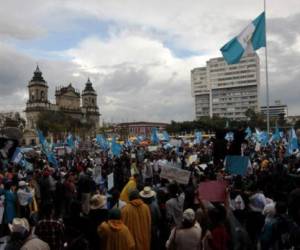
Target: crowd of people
78,206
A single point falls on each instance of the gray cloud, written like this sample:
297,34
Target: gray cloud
125,80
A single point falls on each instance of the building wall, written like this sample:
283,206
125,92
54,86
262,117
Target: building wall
68,101
202,105
38,93
226,90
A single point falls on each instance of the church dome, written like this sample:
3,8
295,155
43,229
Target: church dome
37,77
89,90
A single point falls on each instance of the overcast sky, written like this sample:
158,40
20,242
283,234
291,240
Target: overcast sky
137,53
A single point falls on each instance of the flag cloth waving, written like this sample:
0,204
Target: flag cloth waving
250,39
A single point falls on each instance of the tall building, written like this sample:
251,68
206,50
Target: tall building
226,90
68,100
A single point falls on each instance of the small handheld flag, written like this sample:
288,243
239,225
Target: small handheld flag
198,137
154,136
250,39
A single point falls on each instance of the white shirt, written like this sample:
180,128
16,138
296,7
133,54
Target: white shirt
24,196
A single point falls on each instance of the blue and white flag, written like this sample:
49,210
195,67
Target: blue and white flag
140,138
116,148
70,141
52,159
248,133
229,136
166,136
198,137
250,39
128,143
102,142
154,136
17,156
264,138
43,141
293,141
276,135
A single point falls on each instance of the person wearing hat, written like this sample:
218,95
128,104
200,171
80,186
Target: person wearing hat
114,234
98,213
149,197
24,198
137,217
21,237
188,236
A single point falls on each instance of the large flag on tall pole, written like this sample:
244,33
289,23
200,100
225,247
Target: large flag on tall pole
250,39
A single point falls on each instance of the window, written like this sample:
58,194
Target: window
42,95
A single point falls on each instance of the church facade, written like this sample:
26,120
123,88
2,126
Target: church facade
82,106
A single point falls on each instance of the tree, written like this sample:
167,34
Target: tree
58,123
255,119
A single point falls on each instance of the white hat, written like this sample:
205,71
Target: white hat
189,215
147,192
98,201
19,225
22,183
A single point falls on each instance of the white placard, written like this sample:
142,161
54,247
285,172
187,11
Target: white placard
203,166
193,158
152,148
110,181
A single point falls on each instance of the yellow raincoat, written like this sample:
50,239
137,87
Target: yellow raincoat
137,217
130,186
115,236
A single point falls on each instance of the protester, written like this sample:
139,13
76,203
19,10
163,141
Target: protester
98,214
22,237
25,197
148,196
114,234
10,200
50,229
188,235
137,217
174,206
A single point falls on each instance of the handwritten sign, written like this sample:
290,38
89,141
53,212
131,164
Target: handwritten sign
214,191
175,174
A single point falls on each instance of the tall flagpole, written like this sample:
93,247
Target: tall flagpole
267,73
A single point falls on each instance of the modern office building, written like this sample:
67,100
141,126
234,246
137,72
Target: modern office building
275,110
226,90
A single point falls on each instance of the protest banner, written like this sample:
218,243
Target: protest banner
236,164
213,191
110,181
175,174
